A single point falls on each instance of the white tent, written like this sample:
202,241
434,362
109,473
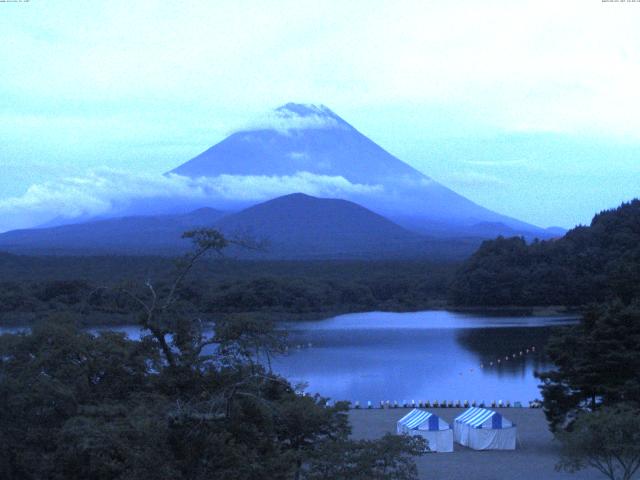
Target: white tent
483,429
432,428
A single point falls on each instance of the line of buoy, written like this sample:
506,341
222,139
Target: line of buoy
297,346
507,358
387,404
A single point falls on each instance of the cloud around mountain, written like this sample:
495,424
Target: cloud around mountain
106,191
291,117
297,148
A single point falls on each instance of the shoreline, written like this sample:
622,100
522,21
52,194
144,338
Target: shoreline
535,404
518,310
11,320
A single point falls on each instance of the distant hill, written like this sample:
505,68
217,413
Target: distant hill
295,226
138,235
313,139
589,264
299,225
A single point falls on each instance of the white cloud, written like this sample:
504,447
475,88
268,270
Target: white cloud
298,155
498,163
88,83
542,65
285,121
470,178
105,191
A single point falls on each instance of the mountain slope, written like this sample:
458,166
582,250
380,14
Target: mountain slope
158,234
299,225
325,146
308,138
295,226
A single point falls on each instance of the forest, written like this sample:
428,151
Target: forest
88,288
591,396
77,405
590,264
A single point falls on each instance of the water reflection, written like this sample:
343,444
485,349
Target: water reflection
433,355
501,344
419,356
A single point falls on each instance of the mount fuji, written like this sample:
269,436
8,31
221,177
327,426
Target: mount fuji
303,179
312,140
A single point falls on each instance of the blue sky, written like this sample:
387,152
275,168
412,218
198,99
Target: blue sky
530,108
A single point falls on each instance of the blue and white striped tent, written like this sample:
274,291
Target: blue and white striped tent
436,431
483,429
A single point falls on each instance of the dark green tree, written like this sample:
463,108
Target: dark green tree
57,373
607,440
594,263
597,363
391,457
181,403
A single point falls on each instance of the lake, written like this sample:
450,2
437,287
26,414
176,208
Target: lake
430,355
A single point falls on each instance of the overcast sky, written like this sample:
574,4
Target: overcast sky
530,108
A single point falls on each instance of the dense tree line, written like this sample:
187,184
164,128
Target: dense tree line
594,263
279,290
592,396
597,363
177,404
78,406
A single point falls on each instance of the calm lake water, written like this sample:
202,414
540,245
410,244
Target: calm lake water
431,355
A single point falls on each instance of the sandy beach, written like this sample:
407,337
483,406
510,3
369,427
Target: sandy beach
534,458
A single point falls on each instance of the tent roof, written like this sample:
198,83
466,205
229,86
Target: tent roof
475,416
416,417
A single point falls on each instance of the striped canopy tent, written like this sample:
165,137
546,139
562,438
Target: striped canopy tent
432,428
483,429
